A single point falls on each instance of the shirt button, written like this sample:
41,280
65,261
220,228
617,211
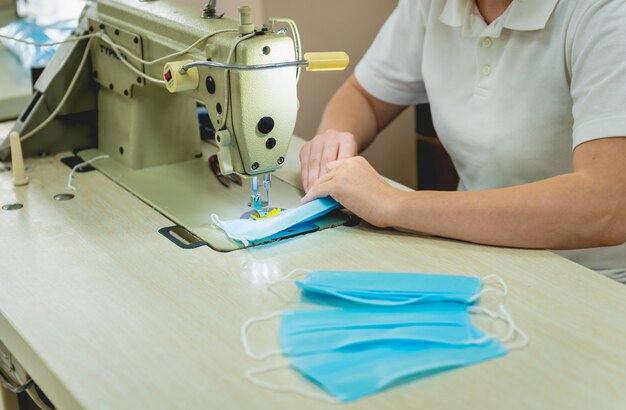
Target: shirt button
486,69
487,42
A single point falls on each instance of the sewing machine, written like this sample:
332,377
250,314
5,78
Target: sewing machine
134,82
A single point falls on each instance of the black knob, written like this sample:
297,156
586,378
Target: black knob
265,125
210,85
270,143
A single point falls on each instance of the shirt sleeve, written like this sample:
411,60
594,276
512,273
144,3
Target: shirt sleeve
391,68
598,72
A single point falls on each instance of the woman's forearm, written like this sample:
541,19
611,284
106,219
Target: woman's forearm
565,212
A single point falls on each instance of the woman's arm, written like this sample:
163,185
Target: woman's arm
582,209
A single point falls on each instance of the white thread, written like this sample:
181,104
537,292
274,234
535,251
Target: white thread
124,61
251,375
296,40
218,223
55,43
65,96
73,82
227,76
169,56
246,342
116,49
78,166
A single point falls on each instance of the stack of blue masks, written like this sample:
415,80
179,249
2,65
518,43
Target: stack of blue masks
381,329
249,231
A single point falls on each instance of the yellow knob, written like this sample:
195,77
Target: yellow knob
327,61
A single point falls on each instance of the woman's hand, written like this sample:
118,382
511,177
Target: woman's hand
355,184
324,148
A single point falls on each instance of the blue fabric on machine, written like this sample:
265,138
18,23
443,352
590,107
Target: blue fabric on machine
249,230
388,288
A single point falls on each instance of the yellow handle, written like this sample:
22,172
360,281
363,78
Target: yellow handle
327,61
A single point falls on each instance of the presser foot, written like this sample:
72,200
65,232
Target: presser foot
254,214
261,208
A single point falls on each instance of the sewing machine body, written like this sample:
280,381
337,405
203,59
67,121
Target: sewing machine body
142,125
151,135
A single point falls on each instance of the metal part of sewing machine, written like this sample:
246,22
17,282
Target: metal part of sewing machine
246,77
224,179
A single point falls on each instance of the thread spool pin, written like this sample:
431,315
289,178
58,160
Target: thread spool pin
17,160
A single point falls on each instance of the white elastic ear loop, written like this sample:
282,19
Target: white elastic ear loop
484,311
493,315
246,342
287,278
524,340
504,315
487,289
217,222
251,375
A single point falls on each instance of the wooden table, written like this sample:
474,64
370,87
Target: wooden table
105,313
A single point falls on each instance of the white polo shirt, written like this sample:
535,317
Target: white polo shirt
509,100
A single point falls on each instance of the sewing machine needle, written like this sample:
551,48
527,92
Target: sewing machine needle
267,184
257,202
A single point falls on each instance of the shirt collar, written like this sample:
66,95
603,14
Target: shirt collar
522,15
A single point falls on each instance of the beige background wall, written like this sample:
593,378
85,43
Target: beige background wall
348,25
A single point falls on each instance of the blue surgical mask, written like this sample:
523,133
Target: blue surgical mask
349,376
358,370
249,231
323,330
394,289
